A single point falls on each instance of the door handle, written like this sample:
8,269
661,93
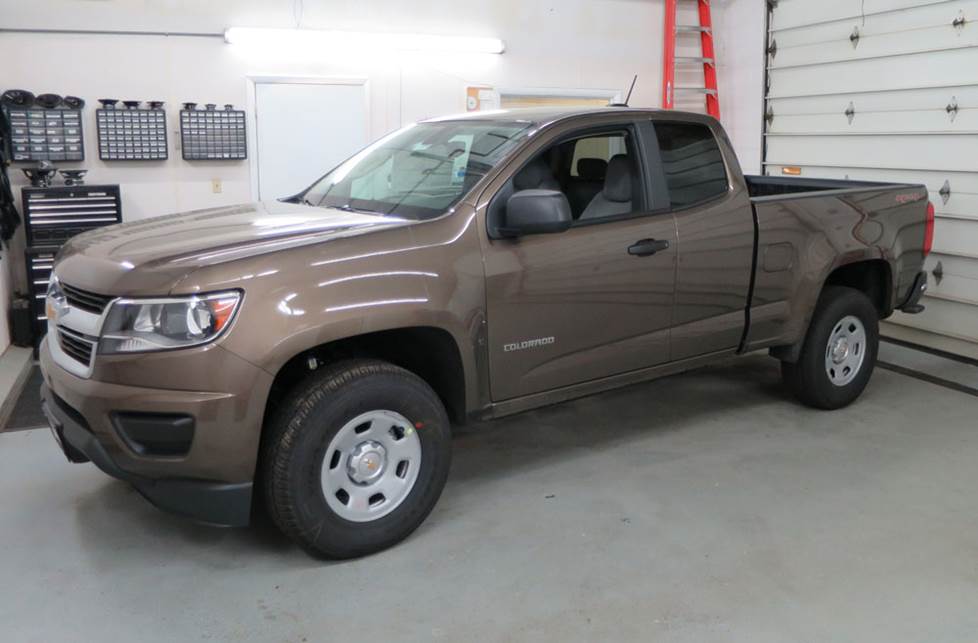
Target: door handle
646,247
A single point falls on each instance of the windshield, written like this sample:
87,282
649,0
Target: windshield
420,171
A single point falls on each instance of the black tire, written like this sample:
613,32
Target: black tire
808,378
294,449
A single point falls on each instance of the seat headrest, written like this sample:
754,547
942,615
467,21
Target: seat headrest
592,169
535,175
618,180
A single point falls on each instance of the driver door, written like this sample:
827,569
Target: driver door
595,300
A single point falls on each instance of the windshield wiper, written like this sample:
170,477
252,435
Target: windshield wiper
436,157
346,207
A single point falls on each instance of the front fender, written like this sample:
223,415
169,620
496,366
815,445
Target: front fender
424,275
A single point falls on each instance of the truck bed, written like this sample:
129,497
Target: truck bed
773,186
808,228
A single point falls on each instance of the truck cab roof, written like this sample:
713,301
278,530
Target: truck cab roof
546,115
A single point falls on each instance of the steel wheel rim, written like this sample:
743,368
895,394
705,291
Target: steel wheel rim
371,465
845,351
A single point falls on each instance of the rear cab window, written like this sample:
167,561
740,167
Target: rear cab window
691,162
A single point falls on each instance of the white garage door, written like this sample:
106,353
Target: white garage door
888,90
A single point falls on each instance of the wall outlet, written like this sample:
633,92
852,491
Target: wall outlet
217,186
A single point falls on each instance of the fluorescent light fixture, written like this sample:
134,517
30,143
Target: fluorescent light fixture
323,39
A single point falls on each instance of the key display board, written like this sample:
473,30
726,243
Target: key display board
212,135
131,134
38,134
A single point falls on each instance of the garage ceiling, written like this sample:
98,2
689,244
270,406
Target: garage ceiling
888,90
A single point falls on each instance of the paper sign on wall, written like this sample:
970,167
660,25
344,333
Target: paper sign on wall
479,99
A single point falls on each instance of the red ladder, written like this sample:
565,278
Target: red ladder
708,58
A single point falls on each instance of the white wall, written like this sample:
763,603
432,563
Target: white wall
740,42
557,44
574,44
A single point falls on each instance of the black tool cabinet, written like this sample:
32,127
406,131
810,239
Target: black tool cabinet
51,217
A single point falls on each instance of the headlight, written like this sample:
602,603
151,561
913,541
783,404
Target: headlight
55,297
137,325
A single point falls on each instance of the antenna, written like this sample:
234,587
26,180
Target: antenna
611,103
629,96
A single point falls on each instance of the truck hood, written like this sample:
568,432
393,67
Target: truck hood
174,245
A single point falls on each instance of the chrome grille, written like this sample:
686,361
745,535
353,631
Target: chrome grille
85,300
77,346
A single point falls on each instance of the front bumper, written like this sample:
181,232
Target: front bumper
212,482
217,503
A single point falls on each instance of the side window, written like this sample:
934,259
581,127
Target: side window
598,172
595,151
692,163
605,177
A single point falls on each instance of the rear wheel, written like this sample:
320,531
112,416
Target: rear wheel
356,459
839,353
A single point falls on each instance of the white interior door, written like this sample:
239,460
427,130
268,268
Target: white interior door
304,130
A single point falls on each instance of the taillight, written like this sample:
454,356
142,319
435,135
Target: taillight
929,229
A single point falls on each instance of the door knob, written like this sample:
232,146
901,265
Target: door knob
646,247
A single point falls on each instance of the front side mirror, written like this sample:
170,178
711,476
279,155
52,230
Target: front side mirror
536,212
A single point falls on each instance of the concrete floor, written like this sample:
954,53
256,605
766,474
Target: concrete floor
698,508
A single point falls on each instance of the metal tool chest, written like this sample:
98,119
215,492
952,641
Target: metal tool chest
51,217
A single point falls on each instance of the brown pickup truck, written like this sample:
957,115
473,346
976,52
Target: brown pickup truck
314,351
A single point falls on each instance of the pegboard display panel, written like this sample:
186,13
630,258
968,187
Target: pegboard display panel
38,134
213,135
131,134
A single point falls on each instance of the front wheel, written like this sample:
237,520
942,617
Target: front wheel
356,458
839,353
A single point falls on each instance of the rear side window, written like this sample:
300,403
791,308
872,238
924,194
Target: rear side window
692,163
